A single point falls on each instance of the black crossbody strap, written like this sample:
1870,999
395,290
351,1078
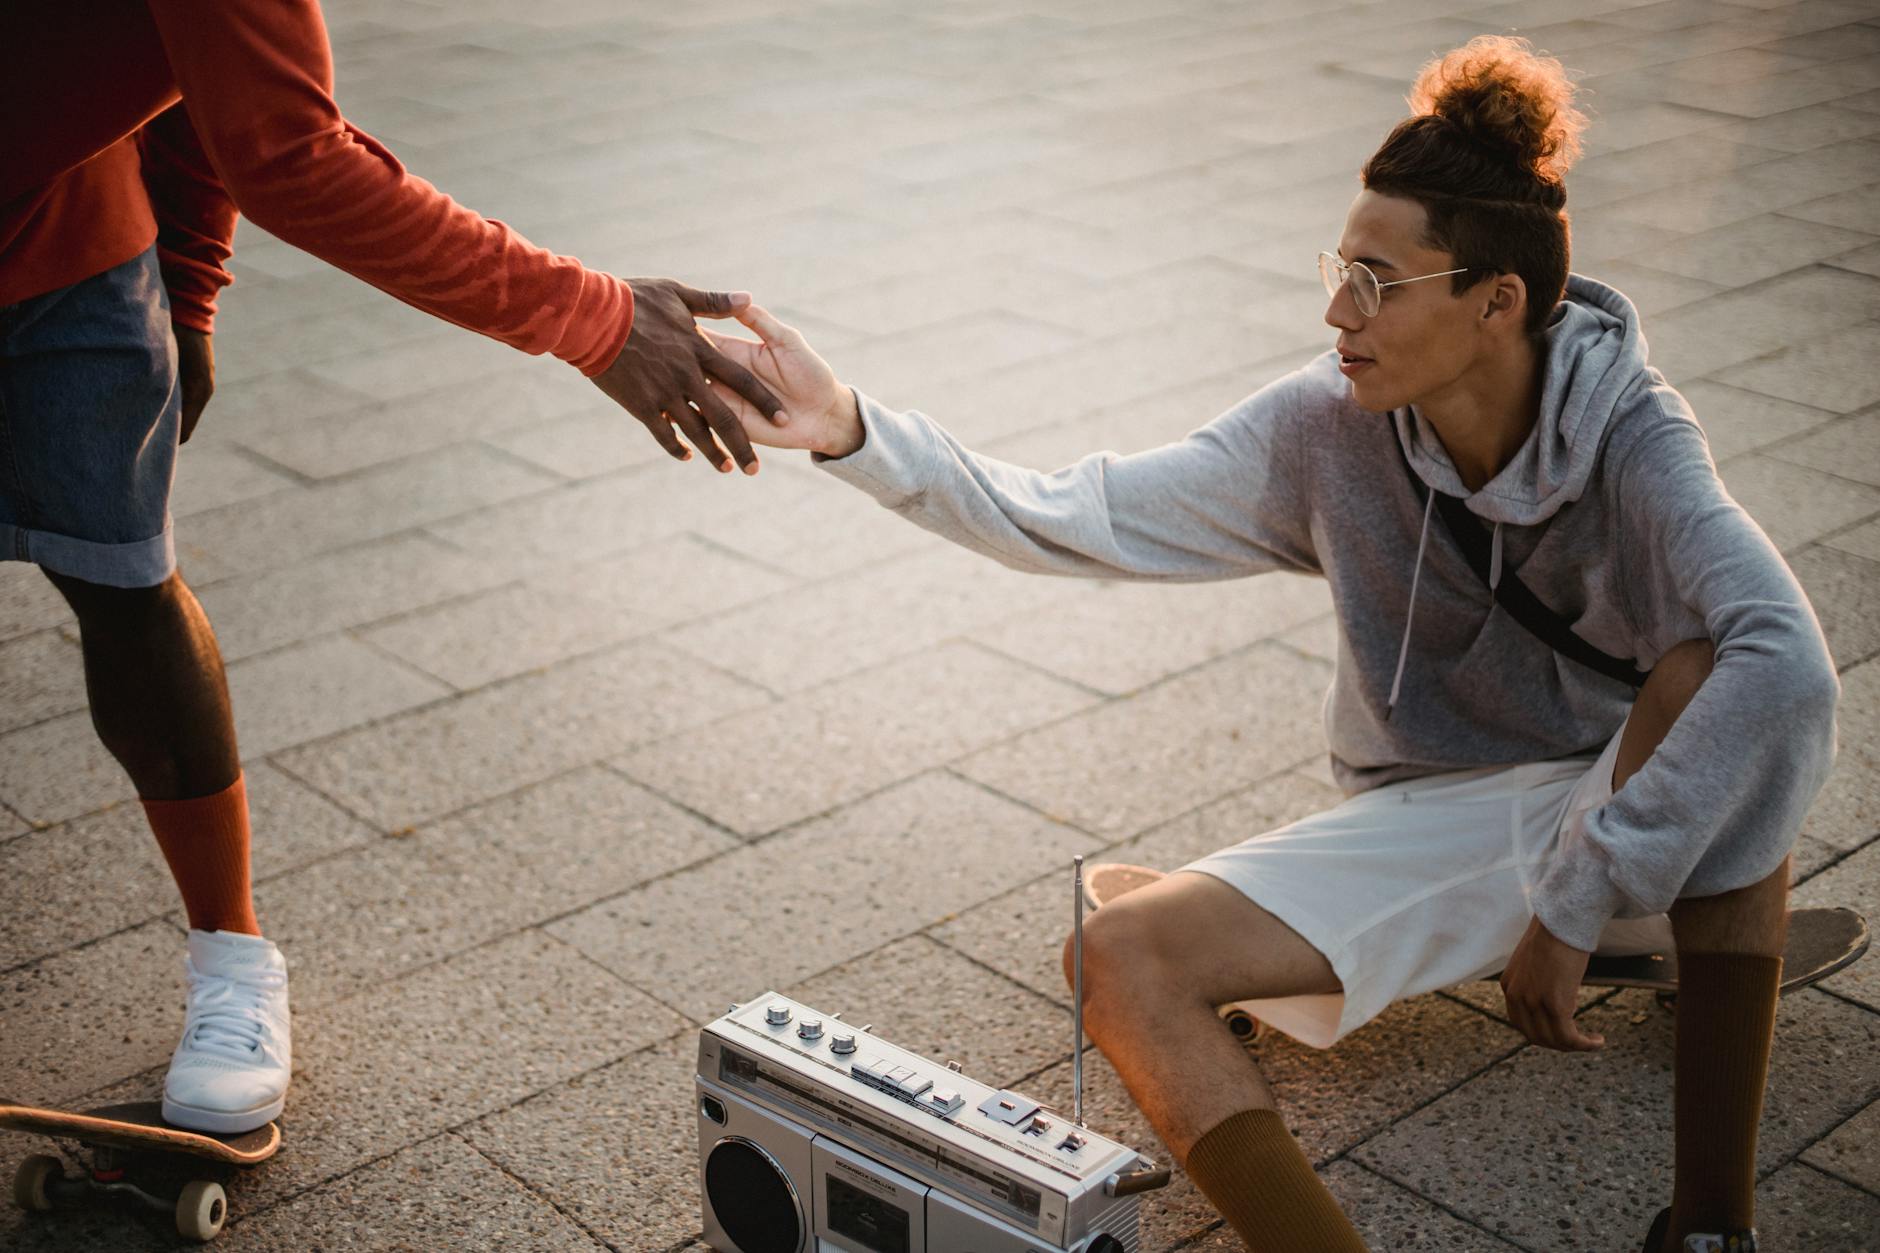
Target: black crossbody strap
1523,605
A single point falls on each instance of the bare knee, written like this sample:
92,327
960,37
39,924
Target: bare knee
1122,953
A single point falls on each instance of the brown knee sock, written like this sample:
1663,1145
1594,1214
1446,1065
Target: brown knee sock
1251,1168
1726,1024
205,840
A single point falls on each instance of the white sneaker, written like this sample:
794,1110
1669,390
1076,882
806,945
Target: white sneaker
230,1072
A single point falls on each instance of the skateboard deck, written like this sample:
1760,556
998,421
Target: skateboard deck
137,1154
1821,941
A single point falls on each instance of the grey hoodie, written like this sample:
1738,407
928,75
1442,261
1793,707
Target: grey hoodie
1611,512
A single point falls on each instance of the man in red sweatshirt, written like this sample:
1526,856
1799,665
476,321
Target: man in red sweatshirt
135,131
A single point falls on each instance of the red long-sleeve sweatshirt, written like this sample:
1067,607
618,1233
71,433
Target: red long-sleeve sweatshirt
127,121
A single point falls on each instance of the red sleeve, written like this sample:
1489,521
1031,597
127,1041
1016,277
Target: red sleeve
195,217
257,77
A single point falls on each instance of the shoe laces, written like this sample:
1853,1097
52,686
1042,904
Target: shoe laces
228,1014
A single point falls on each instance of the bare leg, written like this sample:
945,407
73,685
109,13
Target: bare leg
153,673
1147,983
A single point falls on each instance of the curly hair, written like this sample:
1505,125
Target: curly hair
1492,133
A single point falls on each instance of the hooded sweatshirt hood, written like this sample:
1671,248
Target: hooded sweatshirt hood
1594,362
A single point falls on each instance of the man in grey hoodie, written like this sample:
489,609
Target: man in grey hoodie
1658,762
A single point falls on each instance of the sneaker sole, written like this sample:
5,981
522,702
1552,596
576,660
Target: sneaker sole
221,1122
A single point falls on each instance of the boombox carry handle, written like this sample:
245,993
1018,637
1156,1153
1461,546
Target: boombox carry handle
1145,1178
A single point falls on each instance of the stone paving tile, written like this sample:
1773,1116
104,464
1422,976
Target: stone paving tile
1845,591
1793,504
87,778
436,760
1736,421
442,358
1852,1151
1547,1125
832,531
1849,448
822,748
272,530
815,634
616,1148
1862,541
1021,934
440,1193
666,582
273,396
1387,1216
1754,248
460,409
271,607
444,1046
582,445
100,874
819,894
210,476
1770,186
1847,813
28,602
1119,637
314,689
1008,1033
1652,291
496,635
607,515
1129,763
97,1013
1830,373
1800,1208
41,676
1853,210
1850,884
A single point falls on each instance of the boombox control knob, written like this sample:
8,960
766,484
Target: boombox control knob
1104,1244
841,1042
810,1029
777,1015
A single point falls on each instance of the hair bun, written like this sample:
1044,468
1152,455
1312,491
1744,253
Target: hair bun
1506,99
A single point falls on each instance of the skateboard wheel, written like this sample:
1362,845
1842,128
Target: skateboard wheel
201,1210
31,1182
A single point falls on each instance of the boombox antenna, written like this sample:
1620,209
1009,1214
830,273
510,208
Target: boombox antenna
1077,989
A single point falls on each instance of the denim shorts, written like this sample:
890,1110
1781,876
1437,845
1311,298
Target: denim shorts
89,414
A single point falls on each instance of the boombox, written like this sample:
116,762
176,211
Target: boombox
819,1137
816,1137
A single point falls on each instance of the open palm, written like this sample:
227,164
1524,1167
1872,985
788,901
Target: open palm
821,411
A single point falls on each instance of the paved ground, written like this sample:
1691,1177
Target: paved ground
556,748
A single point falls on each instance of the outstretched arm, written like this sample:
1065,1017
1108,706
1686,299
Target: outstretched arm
1231,499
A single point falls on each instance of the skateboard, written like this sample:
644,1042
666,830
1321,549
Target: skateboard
135,1153
1820,942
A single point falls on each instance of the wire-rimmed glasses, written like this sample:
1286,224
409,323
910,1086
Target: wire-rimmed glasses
1366,291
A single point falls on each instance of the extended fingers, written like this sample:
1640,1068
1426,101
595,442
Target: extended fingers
773,332
726,426
712,304
732,374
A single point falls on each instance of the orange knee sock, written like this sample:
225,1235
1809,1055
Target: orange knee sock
205,840
1253,1171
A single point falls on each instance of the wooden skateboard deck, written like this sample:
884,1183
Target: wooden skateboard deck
1820,942
135,1154
138,1126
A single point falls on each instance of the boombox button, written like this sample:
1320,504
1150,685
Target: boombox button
943,1101
1072,1143
1038,1127
777,1015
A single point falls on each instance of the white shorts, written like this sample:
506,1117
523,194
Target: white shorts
1417,886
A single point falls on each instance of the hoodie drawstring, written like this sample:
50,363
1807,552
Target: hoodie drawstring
1494,560
1416,577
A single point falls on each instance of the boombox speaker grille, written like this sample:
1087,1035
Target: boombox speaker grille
752,1198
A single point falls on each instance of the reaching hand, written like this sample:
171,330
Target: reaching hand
823,416
1541,986
669,375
